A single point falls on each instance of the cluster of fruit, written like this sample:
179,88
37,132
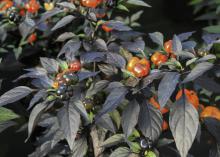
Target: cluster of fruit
66,78
94,3
159,58
100,13
31,6
15,12
141,67
193,99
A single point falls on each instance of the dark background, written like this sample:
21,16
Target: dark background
166,16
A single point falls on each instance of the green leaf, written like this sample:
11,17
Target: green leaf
135,147
135,134
63,65
194,2
2,50
115,115
121,152
135,24
138,2
150,154
218,10
122,7
6,114
191,61
212,29
136,16
18,52
113,140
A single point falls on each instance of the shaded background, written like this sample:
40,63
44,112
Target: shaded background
166,16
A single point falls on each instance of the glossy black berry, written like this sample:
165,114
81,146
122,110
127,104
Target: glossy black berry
13,15
143,144
146,143
62,89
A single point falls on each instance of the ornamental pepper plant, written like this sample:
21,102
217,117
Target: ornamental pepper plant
99,89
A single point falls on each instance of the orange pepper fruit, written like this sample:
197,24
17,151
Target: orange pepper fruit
158,58
7,4
32,6
165,125
32,38
210,111
55,85
90,3
139,67
191,97
106,28
157,105
168,46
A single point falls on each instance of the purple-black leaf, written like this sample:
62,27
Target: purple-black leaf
14,95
